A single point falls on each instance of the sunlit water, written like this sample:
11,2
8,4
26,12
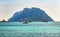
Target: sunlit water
30,29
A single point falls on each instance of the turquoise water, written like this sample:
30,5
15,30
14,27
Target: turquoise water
32,28
18,29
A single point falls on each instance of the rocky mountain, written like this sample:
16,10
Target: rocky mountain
31,14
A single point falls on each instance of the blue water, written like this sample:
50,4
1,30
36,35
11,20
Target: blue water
18,29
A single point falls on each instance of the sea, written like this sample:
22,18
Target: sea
30,29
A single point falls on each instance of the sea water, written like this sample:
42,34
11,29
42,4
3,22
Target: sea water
30,29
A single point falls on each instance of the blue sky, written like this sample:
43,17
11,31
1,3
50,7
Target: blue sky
9,7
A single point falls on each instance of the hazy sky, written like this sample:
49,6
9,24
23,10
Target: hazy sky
9,7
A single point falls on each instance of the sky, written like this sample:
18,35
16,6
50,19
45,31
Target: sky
9,7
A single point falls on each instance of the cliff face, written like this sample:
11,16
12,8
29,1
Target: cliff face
33,14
